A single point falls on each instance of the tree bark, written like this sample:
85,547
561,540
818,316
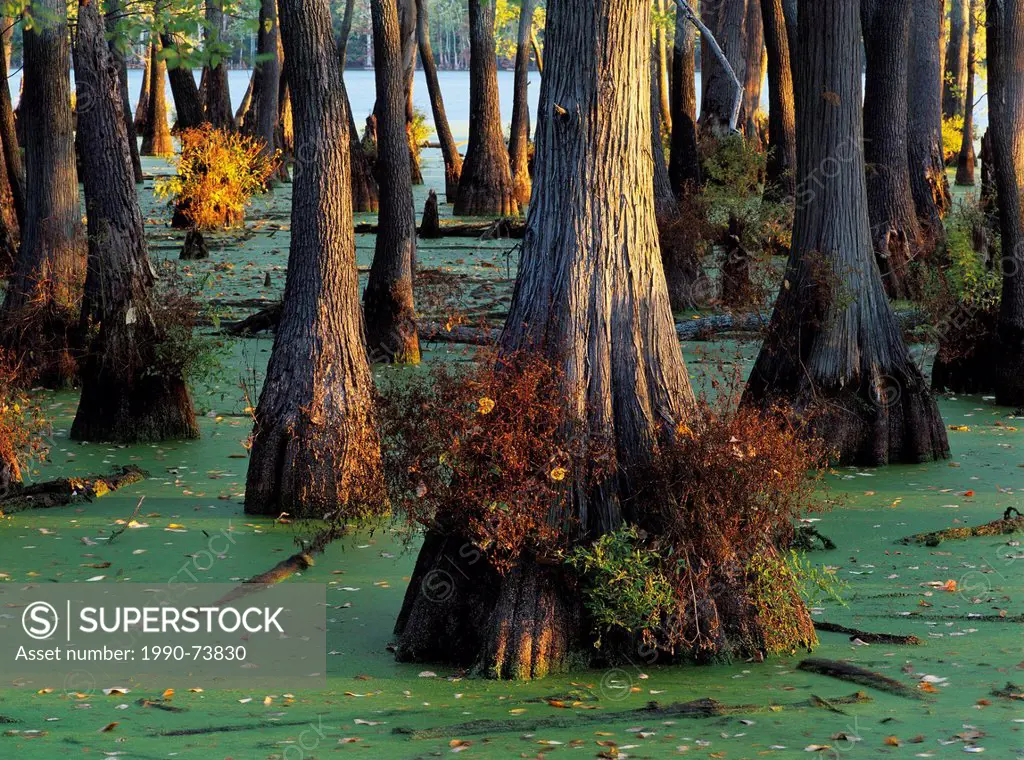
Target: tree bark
957,45
261,123
538,53
662,70
217,97
142,107
246,104
9,228
519,132
44,290
449,150
966,159
408,24
665,204
364,185
1006,108
128,396
684,159
315,446
388,300
754,71
895,232
156,137
114,10
11,148
780,180
924,122
187,105
485,186
591,297
834,352
725,19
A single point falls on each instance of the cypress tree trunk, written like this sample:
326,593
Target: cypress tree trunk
665,204
834,351
895,231
725,19
519,132
217,97
966,159
44,290
955,75
388,300
11,148
261,122
9,228
924,121
187,105
753,78
315,445
1006,106
781,165
142,107
485,186
662,71
114,9
684,160
407,23
590,296
156,136
449,150
364,186
128,396
538,54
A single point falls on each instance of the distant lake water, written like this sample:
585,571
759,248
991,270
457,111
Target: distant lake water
454,86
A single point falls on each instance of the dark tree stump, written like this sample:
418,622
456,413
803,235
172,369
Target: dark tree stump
430,226
194,247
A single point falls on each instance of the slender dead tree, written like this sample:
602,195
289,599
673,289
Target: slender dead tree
156,136
955,76
684,159
449,150
834,351
388,305
116,45
924,117
315,447
188,107
142,106
780,180
895,232
591,297
519,132
44,290
485,186
1006,107
128,395
966,158
217,96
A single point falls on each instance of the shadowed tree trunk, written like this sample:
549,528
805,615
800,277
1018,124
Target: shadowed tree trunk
407,23
217,96
725,19
665,204
924,123
780,181
895,231
955,76
9,228
1006,105
116,46
966,159
449,150
188,107
485,186
315,446
364,185
591,297
684,159
142,107
519,132
388,300
834,351
128,395
246,104
753,78
11,148
261,121
44,290
156,137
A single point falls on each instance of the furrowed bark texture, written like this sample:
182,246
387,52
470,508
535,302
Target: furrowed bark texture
485,186
388,300
127,397
834,351
315,446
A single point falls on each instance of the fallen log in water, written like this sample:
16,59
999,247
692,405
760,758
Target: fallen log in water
845,671
1006,525
866,636
64,491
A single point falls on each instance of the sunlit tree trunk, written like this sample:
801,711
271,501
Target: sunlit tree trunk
754,71
591,297
966,158
781,165
834,351
128,395
388,300
485,186
895,231
957,47
217,97
662,70
11,148
156,136
449,150
519,132
315,446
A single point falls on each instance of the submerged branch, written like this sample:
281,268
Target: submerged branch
1004,526
64,491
